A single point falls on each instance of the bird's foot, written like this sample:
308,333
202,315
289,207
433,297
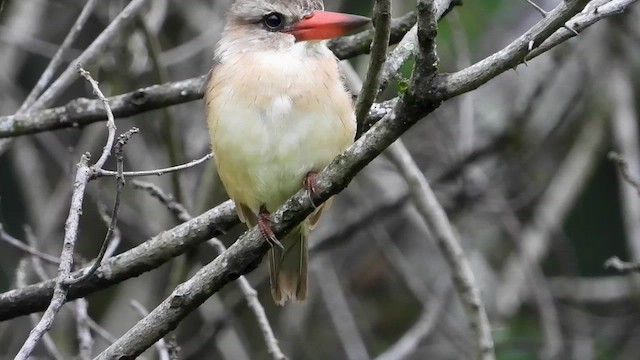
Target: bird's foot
264,226
310,184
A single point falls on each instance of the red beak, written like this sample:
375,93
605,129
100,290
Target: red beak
323,25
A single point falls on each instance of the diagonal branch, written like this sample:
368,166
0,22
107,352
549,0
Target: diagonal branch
379,47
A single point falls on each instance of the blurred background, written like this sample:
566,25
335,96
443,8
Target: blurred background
519,164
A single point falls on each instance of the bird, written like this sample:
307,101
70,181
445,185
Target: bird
278,112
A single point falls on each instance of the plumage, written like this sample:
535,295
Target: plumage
277,109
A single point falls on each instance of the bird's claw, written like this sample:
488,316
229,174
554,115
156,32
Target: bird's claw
267,233
310,184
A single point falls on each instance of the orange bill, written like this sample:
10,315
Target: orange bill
323,25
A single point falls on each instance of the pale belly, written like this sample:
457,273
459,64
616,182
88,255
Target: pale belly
264,152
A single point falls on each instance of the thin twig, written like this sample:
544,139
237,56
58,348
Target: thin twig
58,58
102,332
157,172
625,132
177,209
623,167
83,176
424,325
21,281
552,209
542,12
339,311
90,54
36,260
622,266
111,124
379,47
26,248
119,154
434,216
42,274
580,22
85,340
116,238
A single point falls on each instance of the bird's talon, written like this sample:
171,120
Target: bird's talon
310,184
266,232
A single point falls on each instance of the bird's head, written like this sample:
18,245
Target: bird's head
280,24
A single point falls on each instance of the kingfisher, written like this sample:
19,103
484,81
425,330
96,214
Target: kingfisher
278,112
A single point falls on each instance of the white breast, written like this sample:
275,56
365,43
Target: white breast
269,133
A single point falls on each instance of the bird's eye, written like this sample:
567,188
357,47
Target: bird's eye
274,21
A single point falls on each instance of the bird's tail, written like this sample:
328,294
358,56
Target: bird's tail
288,267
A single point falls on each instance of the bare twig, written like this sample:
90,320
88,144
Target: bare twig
90,54
537,7
6,237
176,208
85,340
379,47
58,58
434,216
49,345
553,207
409,342
83,176
116,238
156,172
625,132
339,310
623,167
102,332
588,17
622,266
119,154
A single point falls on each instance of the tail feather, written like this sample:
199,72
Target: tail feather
288,267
